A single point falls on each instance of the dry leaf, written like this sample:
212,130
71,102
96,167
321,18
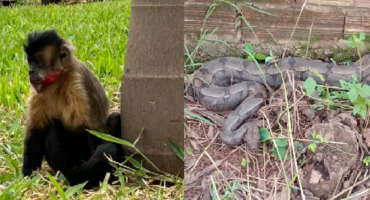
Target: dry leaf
210,133
194,144
205,171
205,188
315,177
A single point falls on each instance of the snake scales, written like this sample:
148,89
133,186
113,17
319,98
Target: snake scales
231,83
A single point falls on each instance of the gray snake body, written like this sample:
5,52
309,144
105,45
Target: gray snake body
231,83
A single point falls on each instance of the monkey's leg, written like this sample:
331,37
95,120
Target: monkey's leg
95,169
115,129
33,151
114,125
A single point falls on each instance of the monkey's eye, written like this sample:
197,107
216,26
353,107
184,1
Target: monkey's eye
62,56
37,62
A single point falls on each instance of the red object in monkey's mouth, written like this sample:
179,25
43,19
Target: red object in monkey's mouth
49,79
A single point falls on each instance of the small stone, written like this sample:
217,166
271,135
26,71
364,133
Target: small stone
309,113
315,177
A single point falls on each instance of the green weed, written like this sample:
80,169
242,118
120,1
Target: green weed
357,42
319,139
352,90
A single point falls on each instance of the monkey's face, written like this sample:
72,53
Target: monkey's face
48,56
43,69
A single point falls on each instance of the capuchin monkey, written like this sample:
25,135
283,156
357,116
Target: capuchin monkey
65,100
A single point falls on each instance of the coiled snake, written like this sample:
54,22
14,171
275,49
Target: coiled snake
231,83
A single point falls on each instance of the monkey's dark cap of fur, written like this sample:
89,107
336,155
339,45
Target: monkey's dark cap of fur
37,41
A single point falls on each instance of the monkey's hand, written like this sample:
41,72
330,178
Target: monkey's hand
103,150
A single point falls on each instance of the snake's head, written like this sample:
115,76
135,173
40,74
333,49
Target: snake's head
253,147
252,137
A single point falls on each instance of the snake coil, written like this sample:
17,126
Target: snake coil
231,83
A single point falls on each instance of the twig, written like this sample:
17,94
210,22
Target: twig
204,151
363,147
350,188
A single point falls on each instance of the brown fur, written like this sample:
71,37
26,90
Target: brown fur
48,54
66,99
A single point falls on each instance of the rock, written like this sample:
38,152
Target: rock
316,120
315,177
366,136
330,114
347,119
332,163
309,113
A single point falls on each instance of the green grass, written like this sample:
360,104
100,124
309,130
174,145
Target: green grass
99,31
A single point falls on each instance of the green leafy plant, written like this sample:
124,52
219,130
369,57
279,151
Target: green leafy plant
300,147
264,134
252,54
310,86
352,90
244,162
366,160
280,143
281,150
319,139
357,42
189,151
229,193
270,58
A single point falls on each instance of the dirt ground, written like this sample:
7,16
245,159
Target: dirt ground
335,170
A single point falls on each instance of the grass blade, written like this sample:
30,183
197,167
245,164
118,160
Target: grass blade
258,10
179,152
57,186
199,117
74,189
110,138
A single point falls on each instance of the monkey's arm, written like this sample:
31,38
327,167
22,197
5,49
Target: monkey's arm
33,150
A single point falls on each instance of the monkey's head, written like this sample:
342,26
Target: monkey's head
48,56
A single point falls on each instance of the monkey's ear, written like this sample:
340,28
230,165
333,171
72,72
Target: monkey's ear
65,54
